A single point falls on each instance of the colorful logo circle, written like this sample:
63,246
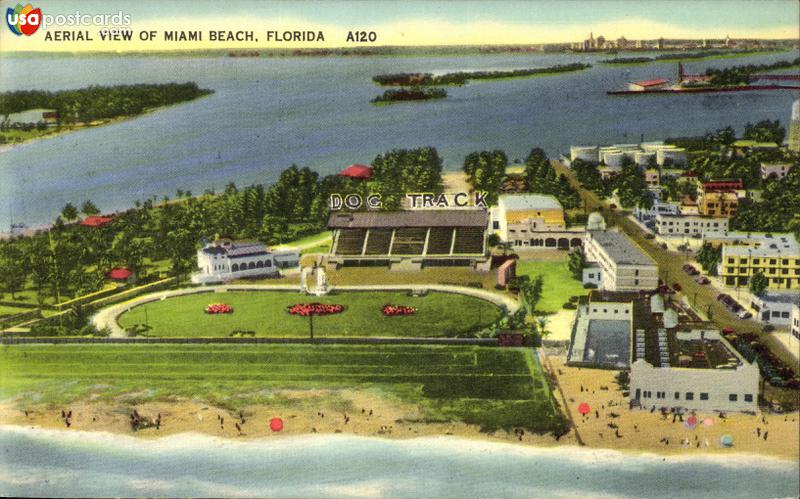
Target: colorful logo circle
23,20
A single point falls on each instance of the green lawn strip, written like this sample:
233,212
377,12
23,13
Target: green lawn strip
265,313
314,238
491,387
558,284
322,248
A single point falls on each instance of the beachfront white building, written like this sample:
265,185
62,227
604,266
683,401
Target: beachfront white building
690,225
224,260
695,370
622,265
672,364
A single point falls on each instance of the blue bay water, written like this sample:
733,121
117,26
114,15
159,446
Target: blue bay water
57,463
268,113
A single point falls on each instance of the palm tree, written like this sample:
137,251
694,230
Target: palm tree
541,324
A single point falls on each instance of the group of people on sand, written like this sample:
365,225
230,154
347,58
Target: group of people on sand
138,421
239,424
66,416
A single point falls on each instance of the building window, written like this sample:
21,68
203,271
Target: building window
677,395
689,395
703,396
733,397
748,397
495,224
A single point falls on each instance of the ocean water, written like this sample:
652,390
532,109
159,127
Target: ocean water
268,113
59,463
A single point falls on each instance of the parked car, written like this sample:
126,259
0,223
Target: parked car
744,314
612,206
676,286
702,280
649,236
690,270
722,296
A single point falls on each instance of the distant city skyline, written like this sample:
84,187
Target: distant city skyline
418,23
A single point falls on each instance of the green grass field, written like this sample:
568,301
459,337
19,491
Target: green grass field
265,312
559,284
492,387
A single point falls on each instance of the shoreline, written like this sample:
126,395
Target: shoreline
66,129
453,442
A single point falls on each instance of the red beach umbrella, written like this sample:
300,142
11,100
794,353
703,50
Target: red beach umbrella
583,408
276,424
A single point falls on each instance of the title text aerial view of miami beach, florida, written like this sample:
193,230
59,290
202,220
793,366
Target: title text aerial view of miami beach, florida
400,249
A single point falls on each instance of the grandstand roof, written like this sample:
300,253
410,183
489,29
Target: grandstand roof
410,218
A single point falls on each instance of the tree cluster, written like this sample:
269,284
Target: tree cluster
742,75
540,177
486,171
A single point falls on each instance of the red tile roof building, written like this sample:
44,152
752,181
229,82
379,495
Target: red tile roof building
357,172
96,221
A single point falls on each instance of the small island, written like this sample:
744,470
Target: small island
32,114
462,77
409,94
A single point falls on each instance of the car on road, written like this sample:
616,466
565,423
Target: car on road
676,286
702,280
744,314
690,269
649,236
722,296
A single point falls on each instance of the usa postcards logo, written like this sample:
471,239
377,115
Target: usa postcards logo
23,20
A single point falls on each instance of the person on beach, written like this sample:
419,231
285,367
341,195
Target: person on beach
765,435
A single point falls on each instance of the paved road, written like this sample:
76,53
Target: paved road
107,317
703,298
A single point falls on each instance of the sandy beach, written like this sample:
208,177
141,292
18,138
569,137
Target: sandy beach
388,419
776,435
609,425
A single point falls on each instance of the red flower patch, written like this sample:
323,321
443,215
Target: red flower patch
392,310
219,308
306,309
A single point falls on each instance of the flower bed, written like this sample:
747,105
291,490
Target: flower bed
306,309
218,308
393,310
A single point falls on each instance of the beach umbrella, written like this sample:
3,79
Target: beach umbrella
583,408
276,424
726,440
708,422
690,422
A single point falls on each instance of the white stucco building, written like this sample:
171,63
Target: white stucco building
623,266
690,225
695,370
775,308
225,260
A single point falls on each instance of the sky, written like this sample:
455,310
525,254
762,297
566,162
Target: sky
437,22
